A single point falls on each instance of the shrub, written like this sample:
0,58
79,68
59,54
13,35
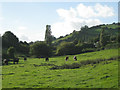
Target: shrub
88,50
40,49
66,48
11,52
113,46
4,56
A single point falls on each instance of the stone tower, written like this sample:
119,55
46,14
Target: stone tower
48,27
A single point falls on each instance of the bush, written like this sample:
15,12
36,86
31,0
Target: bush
88,50
4,56
66,48
11,52
87,45
112,46
40,49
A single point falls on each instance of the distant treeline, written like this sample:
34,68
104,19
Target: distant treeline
85,40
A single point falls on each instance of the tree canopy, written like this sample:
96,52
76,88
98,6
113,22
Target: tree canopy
11,52
9,39
40,49
65,48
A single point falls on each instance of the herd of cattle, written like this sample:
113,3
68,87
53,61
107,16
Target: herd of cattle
5,61
75,58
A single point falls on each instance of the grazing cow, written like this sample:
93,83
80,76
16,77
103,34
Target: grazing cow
47,59
15,60
25,58
66,58
75,58
5,61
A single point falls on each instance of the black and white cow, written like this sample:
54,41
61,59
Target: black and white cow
15,60
66,58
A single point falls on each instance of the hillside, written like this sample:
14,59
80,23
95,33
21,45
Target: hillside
36,73
87,34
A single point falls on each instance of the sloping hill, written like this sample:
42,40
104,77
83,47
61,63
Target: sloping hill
88,34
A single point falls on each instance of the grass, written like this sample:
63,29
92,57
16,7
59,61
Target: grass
36,73
82,63
65,38
113,26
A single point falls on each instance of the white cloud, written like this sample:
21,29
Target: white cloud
67,14
61,28
66,27
85,11
94,11
104,10
74,18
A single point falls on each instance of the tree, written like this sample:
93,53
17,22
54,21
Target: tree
113,38
60,37
74,31
40,49
118,38
96,39
48,36
9,40
102,41
11,52
75,41
24,47
65,48
104,38
84,28
53,38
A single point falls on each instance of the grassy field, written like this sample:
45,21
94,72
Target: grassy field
36,73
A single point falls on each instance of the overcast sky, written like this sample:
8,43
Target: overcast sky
28,20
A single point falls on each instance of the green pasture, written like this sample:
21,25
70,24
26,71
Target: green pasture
36,73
